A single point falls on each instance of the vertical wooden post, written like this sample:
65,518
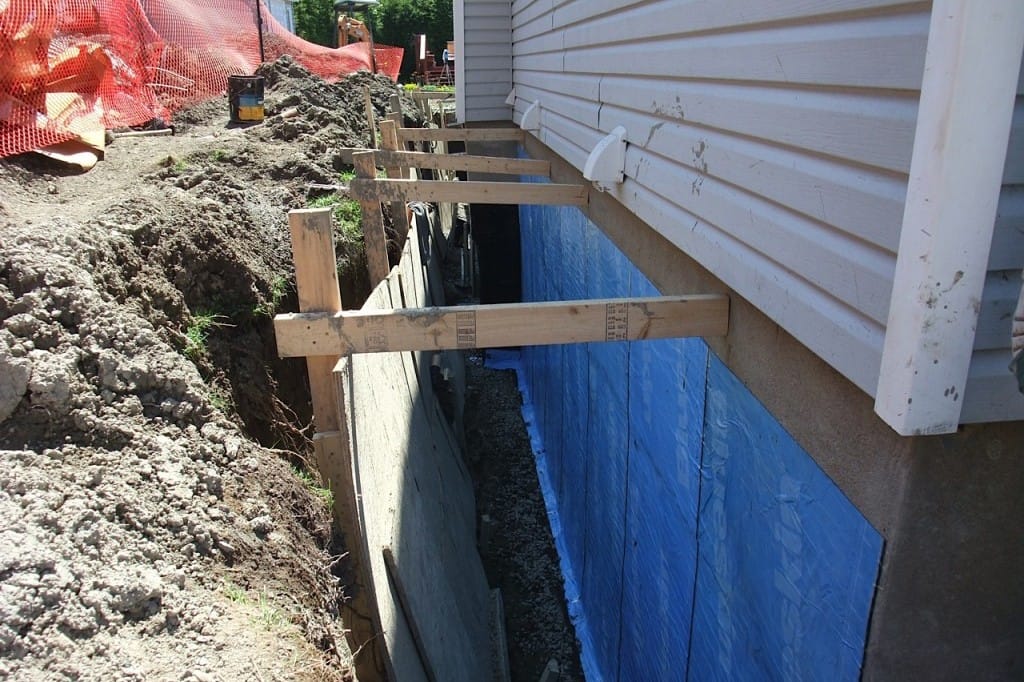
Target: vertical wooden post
316,280
373,222
389,141
370,119
395,104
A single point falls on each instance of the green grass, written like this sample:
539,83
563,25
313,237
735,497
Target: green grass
324,494
268,615
198,332
278,289
235,593
180,166
218,155
348,216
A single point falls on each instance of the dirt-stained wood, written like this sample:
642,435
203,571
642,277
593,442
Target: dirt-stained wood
472,192
502,325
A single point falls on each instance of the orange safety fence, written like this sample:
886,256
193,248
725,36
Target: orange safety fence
71,67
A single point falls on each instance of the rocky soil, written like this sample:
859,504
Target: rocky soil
157,517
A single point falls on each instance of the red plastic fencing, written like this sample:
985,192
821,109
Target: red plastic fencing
69,65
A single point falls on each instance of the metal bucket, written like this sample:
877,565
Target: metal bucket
245,96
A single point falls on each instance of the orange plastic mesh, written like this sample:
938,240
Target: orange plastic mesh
71,65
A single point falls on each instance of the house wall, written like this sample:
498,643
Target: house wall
282,11
772,143
483,59
948,602
718,548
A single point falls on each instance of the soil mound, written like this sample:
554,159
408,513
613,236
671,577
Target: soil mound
154,513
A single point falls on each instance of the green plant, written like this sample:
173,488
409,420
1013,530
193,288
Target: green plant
235,593
314,21
198,332
179,166
348,216
313,486
218,155
268,615
278,289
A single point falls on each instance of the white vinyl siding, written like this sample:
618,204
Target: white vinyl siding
484,60
992,393
770,141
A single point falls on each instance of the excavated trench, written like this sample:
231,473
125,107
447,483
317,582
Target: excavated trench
144,400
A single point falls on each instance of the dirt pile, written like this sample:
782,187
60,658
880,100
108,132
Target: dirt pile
152,521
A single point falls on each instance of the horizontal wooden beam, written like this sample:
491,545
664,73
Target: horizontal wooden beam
468,192
457,162
501,325
460,135
431,94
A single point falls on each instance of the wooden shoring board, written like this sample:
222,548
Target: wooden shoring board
498,165
461,135
473,192
501,325
370,120
372,222
316,282
389,141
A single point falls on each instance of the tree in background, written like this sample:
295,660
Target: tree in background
394,22
314,21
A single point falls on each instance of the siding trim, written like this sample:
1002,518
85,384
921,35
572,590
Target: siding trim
971,72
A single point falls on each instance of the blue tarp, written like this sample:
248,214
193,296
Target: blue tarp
698,540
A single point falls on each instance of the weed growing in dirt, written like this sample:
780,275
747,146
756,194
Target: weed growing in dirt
268,616
235,593
348,216
314,487
197,333
180,166
221,399
218,155
278,289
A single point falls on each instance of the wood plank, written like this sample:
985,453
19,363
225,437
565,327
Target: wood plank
372,222
391,568
502,325
474,164
460,134
389,141
316,281
469,192
370,118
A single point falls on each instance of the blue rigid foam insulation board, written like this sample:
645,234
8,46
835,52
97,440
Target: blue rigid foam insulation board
666,415
787,564
697,540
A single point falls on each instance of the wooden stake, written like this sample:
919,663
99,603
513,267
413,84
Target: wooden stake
499,165
461,134
370,119
472,192
389,141
316,280
502,325
374,238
